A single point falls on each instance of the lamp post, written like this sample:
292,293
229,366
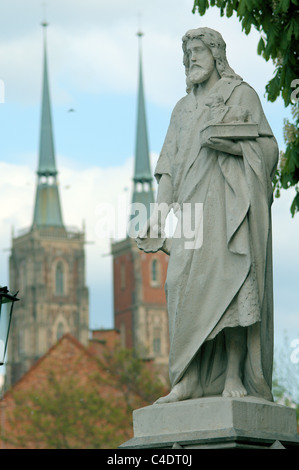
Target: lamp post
5,319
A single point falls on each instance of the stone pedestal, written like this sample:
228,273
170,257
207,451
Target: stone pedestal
214,423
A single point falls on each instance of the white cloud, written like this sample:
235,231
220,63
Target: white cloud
16,195
93,48
285,230
285,266
82,194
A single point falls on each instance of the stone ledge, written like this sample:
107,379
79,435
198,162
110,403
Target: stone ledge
214,422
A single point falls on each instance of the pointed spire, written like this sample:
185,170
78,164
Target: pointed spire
46,146
142,161
143,190
47,210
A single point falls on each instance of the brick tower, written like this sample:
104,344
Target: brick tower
47,266
140,312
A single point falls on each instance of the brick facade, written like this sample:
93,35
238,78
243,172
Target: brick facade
140,310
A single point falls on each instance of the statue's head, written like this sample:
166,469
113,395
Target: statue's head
217,47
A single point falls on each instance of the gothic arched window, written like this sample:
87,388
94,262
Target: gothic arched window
59,279
155,272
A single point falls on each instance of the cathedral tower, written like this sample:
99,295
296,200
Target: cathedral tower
47,265
140,312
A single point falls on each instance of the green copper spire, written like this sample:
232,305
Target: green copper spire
143,190
142,161
47,210
46,145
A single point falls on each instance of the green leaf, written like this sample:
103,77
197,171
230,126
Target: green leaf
229,10
284,5
295,205
272,88
201,6
260,46
241,10
289,31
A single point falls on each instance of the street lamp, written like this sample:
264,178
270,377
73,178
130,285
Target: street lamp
5,319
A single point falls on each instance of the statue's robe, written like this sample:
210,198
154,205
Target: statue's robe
227,281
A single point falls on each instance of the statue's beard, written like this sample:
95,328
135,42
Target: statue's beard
198,74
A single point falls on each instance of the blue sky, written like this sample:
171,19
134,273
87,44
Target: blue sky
93,68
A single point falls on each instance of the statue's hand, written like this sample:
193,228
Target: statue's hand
167,246
223,145
143,232
152,229
151,237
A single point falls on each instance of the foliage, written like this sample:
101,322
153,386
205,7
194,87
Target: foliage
62,415
278,24
137,381
287,174
97,414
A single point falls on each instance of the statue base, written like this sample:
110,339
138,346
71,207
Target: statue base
214,423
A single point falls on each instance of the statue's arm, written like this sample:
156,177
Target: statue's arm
165,194
270,150
164,201
156,223
161,208
232,147
247,97
152,237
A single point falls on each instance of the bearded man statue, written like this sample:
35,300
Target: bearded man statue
219,292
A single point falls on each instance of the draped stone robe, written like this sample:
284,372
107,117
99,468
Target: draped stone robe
227,281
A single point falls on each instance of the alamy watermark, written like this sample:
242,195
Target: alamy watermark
134,220
2,91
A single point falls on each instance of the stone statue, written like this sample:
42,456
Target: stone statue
220,113
219,151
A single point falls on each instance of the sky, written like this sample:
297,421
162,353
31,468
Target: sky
93,69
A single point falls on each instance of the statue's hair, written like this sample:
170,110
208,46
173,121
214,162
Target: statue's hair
214,41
